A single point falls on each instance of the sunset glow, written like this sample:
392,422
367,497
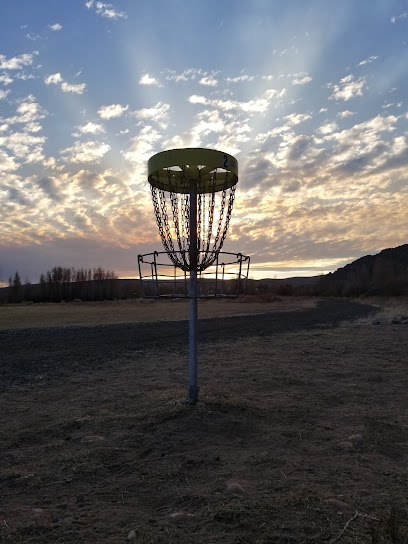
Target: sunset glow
310,97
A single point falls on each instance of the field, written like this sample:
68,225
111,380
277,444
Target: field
300,435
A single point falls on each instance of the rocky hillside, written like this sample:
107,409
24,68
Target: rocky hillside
383,273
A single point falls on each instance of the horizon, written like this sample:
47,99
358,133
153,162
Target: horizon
309,97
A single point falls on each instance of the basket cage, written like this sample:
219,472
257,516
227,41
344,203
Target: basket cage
226,278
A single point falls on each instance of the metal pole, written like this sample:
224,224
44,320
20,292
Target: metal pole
193,388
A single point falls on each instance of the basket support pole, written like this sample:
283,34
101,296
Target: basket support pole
193,387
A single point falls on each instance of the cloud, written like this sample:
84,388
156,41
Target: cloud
328,128
344,114
57,79
114,110
399,17
283,131
6,80
244,77
146,79
157,113
24,145
367,61
348,88
50,188
259,105
209,81
33,37
296,118
187,75
91,128
55,27
88,152
16,63
77,88
53,79
7,163
142,145
292,186
302,81
107,11
28,111
3,94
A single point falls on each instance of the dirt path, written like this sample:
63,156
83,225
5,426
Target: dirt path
53,352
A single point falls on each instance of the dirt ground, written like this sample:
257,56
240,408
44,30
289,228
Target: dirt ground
29,315
300,436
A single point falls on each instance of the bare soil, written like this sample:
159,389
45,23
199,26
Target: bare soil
300,436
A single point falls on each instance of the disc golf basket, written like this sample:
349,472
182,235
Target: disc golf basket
193,193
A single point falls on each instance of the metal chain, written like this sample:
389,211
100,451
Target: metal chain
167,231
210,220
228,217
159,221
199,225
222,207
180,206
175,209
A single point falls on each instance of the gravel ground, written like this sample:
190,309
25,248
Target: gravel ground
53,352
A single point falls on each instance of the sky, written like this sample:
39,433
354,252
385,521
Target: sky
309,96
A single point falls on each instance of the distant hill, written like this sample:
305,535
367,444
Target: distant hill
383,273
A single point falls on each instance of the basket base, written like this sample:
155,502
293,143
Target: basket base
226,278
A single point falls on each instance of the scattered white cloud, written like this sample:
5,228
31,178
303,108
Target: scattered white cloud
142,145
296,118
91,128
33,37
344,114
77,88
399,17
322,110
348,88
25,146
107,11
302,81
28,111
3,93
187,75
53,79
85,152
244,77
146,79
24,77
367,61
197,99
327,128
5,80
209,81
114,110
55,27
57,79
157,113
7,163
258,105
16,63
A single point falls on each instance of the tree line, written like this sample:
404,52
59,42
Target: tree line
66,284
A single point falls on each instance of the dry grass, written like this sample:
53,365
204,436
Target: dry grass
21,316
391,310
312,426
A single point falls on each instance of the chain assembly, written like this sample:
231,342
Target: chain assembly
174,227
